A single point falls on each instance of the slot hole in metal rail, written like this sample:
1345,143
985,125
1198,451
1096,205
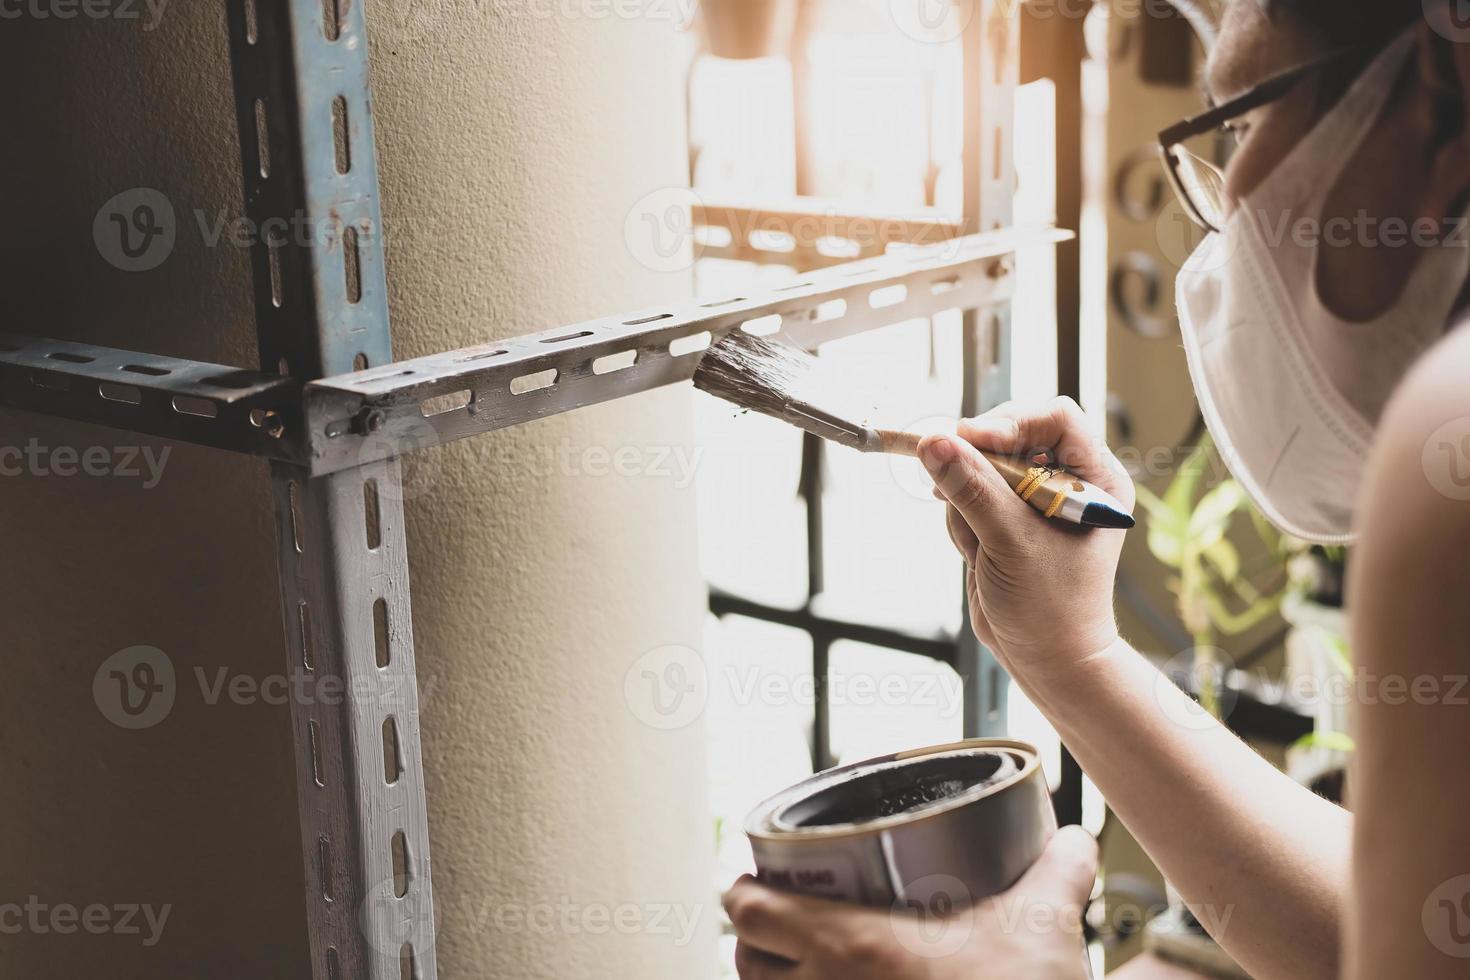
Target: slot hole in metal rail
647,319
794,285
944,285
334,964
314,736
615,362
382,652
331,19
833,247
378,377
570,336
340,133
252,23
408,968
273,249
833,309
360,362
392,758
268,421
723,302
528,383
888,296
402,867
198,407
126,394
763,326
324,867
8,348
371,517
352,266
713,236
481,356
308,652
298,526
262,138
691,344
150,371
780,242
71,358
444,404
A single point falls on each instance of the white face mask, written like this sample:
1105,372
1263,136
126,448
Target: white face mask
1290,391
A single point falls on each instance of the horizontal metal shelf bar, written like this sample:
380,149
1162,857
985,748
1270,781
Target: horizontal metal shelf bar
809,233
191,401
357,418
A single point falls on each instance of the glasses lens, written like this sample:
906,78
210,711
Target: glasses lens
1204,185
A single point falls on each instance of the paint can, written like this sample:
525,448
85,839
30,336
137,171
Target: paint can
929,828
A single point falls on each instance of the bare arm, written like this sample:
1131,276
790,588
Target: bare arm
1263,861
1410,589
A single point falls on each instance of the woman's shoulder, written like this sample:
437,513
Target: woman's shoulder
1429,418
1414,508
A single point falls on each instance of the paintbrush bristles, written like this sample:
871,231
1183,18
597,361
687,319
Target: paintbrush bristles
775,378
755,373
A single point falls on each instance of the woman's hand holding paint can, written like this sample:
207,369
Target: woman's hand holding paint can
1033,930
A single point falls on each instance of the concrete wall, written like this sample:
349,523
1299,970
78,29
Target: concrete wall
512,146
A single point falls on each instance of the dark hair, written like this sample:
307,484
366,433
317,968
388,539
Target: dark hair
1347,23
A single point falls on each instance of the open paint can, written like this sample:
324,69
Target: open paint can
935,827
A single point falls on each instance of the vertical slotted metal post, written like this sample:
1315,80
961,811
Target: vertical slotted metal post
311,190
991,62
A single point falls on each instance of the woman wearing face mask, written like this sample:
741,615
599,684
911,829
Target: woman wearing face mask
1320,319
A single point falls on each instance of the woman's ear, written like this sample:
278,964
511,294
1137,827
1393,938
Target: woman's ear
1444,75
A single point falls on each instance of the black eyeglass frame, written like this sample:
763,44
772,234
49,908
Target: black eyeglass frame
1272,89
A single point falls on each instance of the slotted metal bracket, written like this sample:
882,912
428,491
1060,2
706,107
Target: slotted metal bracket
808,233
310,180
443,397
192,401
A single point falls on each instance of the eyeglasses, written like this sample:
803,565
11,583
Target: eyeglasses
1199,183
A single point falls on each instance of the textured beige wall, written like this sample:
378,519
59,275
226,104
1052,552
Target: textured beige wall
536,583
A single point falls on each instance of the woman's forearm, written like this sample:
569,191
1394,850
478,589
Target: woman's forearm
1261,860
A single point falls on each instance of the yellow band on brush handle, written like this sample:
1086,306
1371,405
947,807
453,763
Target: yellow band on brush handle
1036,477
1056,504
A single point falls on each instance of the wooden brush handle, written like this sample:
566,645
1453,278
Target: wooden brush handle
1040,486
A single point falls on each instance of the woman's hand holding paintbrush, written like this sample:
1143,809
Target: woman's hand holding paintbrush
1040,591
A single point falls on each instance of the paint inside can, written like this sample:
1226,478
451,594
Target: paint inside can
888,790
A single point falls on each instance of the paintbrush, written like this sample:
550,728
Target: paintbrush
775,378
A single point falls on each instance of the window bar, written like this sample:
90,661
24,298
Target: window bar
990,70
813,463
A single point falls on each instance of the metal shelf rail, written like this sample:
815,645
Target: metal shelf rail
332,413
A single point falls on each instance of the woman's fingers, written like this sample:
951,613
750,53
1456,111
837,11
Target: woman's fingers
972,486
1058,427
753,964
770,921
962,535
1062,878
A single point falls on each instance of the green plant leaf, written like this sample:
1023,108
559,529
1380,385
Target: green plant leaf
1333,741
1216,509
1224,558
1166,529
1180,495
